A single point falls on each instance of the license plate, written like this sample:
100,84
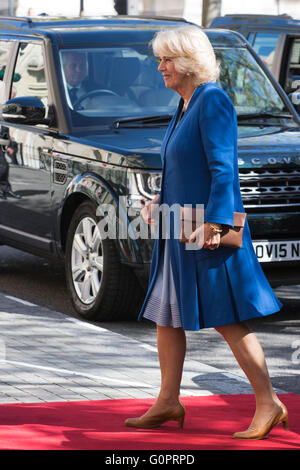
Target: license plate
267,251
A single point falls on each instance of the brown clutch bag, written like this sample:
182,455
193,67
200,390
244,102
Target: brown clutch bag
230,236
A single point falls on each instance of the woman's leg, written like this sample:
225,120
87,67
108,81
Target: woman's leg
250,356
171,345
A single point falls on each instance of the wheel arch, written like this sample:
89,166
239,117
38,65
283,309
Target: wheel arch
69,207
84,187
91,187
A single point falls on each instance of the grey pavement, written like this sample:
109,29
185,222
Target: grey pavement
47,356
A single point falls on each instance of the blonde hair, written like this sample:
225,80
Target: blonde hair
192,52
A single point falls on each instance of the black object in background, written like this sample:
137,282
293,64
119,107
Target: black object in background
121,7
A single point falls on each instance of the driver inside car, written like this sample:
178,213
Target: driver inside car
76,74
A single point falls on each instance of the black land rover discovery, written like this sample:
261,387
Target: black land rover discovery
84,111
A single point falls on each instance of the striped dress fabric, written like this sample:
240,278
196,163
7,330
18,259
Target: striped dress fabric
162,306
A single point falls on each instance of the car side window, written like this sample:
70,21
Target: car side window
29,74
265,45
5,47
293,69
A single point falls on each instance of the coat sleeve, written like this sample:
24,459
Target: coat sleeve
217,133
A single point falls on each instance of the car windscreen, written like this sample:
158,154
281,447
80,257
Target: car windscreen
104,84
246,83
114,82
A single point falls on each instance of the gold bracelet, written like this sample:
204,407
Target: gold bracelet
216,228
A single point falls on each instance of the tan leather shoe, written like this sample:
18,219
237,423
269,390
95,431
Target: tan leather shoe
281,416
176,413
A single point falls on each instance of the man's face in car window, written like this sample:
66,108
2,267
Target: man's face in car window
75,67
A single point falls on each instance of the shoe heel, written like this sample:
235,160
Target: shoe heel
181,421
285,424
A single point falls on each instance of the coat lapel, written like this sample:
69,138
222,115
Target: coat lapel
175,118
170,130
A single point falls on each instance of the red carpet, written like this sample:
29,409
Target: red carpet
87,425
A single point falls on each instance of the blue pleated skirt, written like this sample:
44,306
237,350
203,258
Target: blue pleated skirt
224,292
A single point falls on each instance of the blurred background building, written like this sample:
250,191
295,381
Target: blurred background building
190,9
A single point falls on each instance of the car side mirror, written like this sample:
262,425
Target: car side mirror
25,110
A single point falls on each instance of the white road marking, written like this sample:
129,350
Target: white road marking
83,374
149,347
21,301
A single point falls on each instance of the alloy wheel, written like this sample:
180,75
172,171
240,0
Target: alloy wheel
87,260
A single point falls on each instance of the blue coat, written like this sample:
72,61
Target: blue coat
200,166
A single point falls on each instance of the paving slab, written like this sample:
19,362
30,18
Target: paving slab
47,356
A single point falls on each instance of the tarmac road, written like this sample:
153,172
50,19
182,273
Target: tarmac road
42,282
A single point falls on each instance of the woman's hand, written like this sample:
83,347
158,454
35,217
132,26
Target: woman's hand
211,239
206,237
146,212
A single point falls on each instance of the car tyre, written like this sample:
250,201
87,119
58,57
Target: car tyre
101,287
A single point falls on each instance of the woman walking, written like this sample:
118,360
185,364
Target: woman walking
216,286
